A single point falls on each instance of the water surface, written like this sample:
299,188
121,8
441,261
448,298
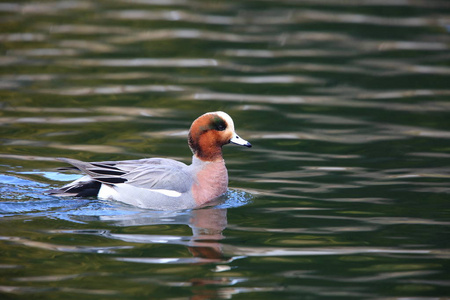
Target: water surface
344,194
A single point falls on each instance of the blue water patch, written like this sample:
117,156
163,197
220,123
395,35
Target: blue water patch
16,181
235,198
57,176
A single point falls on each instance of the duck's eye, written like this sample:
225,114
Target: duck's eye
221,127
220,124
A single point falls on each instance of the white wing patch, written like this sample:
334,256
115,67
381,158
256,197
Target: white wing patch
110,193
169,193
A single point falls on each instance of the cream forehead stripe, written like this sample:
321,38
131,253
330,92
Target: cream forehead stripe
227,119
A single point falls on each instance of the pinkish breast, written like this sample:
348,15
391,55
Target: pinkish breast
212,181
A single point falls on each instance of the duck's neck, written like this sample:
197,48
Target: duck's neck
211,179
206,146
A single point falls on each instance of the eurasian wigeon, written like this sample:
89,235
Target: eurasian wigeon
162,183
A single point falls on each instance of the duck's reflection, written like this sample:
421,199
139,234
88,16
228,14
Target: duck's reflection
207,225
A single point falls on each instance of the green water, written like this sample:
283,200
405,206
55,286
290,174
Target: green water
344,195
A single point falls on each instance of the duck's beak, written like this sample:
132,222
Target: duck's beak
239,141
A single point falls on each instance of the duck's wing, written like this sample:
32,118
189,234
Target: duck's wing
157,173
152,173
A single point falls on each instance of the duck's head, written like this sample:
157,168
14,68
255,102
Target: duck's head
209,132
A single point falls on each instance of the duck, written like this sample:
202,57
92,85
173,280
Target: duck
163,183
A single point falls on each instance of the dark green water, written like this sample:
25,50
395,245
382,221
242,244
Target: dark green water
344,195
